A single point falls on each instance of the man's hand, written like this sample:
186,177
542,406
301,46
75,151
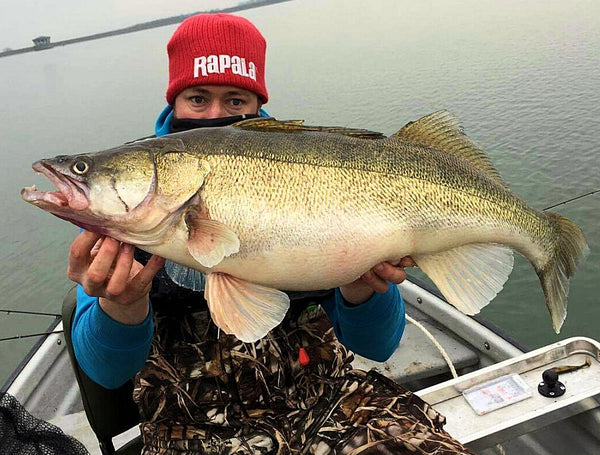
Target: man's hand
376,280
106,268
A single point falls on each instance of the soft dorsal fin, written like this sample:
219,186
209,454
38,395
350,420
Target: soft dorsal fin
293,126
442,131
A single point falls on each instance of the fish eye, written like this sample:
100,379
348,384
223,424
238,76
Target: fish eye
80,167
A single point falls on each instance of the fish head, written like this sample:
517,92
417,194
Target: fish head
132,192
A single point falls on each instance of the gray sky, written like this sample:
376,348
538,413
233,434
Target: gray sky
23,20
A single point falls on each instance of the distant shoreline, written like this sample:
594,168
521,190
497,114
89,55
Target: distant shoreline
138,27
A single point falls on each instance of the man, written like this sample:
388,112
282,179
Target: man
200,390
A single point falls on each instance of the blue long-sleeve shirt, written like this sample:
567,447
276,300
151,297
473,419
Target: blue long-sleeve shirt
110,352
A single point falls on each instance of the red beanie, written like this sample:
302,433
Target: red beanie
217,49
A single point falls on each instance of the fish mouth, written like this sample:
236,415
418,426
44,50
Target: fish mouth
71,193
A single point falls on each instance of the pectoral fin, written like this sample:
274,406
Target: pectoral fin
247,310
469,276
209,241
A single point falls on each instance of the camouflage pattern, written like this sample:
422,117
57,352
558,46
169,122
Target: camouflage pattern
205,392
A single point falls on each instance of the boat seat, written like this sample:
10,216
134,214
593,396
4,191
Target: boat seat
109,412
417,358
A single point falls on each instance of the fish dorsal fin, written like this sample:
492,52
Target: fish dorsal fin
294,126
442,131
247,310
469,276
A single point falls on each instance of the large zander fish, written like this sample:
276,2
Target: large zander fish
263,206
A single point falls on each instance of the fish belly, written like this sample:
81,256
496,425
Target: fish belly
336,259
318,262
336,262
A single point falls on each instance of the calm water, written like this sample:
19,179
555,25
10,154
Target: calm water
524,78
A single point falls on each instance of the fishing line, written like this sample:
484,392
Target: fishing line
29,335
36,313
572,199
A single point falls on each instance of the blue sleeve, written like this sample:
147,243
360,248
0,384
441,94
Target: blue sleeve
372,329
108,351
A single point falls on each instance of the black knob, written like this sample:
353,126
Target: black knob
550,386
550,377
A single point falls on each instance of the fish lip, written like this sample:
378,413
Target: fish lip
49,199
70,192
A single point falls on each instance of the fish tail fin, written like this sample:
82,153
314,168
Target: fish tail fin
556,273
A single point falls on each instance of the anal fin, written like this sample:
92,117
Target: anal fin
469,276
247,310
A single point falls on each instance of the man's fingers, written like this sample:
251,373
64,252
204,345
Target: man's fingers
388,272
96,247
375,282
407,261
120,275
100,268
79,252
144,277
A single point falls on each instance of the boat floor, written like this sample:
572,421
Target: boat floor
77,425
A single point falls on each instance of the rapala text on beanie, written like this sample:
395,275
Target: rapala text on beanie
220,64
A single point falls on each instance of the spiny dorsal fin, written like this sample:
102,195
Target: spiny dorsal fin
442,131
292,126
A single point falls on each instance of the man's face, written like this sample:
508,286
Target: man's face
215,101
